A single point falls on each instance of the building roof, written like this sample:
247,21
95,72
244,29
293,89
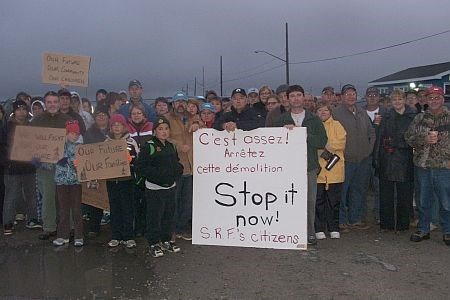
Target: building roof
427,72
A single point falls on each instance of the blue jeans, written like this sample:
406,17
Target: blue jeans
354,191
183,204
435,204
434,185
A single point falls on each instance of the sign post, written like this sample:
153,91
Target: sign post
250,188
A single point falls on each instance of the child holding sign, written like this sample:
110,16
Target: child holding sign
158,163
68,189
120,189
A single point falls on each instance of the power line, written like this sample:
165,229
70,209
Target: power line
254,74
370,51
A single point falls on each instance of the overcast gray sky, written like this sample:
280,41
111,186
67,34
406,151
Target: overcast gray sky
165,44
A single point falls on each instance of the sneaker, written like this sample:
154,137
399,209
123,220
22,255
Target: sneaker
446,239
312,240
46,235
8,229
419,236
20,217
169,246
60,241
359,225
433,227
113,243
155,250
32,224
78,243
186,236
130,244
335,235
320,235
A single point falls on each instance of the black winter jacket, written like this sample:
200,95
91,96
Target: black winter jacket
248,119
393,157
158,163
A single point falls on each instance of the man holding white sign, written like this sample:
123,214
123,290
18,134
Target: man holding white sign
316,139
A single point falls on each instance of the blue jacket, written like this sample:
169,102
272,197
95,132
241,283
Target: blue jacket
65,172
149,111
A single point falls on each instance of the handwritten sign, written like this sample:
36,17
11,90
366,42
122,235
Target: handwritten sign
65,69
102,160
250,188
46,144
94,193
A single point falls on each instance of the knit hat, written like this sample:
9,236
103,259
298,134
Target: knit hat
19,103
72,126
160,121
118,118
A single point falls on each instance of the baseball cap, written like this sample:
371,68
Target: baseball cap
252,90
135,82
328,89
434,90
64,92
347,87
238,91
160,121
208,106
281,88
179,96
372,89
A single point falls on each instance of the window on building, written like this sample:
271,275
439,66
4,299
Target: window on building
447,88
403,88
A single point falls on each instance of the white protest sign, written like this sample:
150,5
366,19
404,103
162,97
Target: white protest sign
250,188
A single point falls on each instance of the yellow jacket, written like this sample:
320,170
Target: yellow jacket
336,144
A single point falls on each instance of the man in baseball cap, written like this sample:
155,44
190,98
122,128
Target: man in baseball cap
242,115
135,91
429,135
358,159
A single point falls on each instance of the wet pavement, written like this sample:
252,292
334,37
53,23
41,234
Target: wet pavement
361,265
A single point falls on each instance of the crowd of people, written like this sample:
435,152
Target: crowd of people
399,147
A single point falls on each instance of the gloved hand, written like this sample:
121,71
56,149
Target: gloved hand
62,162
36,162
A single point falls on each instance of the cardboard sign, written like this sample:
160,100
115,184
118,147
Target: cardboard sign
64,69
44,143
94,193
102,160
250,188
